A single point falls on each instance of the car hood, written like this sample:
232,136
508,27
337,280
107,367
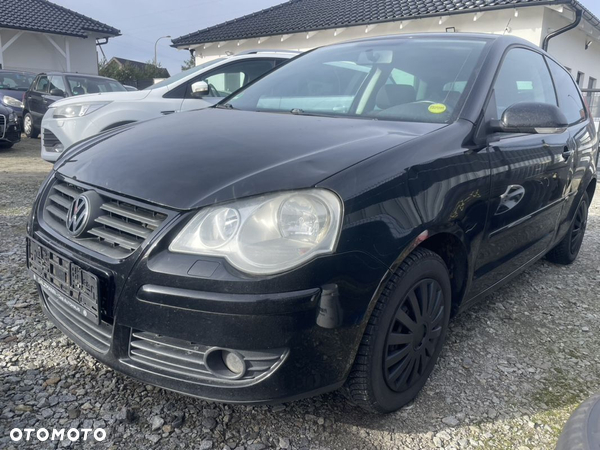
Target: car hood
19,95
125,96
193,159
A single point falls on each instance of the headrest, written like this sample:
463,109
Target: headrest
395,94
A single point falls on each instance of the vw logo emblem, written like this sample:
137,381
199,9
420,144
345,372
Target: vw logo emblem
78,215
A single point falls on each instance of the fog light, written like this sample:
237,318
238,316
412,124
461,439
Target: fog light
225,364
233,362
58,148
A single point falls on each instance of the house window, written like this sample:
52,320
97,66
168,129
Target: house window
592,83
580,78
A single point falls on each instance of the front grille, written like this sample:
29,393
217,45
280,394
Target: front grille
50,140
119,229
185,360
2,126
96,336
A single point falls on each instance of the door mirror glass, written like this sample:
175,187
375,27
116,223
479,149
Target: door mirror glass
200,89
531,118
57,92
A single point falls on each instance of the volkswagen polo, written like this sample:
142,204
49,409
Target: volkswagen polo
318,228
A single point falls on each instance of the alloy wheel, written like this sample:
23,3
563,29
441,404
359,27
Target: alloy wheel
579,226
414,335
27,125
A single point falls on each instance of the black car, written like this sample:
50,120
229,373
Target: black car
319,228
10,131
13,85
50,87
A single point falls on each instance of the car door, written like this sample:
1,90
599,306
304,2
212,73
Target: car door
581,135
35,100
225,80
531,174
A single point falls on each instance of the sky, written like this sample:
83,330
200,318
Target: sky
142,22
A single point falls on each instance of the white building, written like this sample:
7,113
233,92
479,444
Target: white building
39,36
305,24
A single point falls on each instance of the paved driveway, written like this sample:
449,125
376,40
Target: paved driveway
513,369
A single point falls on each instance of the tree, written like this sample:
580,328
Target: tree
189,63
129,73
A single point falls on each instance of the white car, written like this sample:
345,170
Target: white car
70,120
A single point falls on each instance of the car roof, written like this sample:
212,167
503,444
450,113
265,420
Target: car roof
85,75
507,40
23,72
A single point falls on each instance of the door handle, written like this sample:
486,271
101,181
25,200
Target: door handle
567,152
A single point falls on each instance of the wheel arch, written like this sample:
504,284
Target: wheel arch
591,189
453,252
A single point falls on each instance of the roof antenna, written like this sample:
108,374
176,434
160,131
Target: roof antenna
506,30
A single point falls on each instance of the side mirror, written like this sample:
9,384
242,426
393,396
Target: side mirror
57,92
531,118
200,89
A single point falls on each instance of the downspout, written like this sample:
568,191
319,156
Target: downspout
574,24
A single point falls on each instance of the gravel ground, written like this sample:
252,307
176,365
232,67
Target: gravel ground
513,369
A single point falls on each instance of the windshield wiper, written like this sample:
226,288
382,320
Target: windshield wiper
225,106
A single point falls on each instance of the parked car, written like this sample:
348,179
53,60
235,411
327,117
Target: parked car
72,120
47,88
10,132
13,85
318,228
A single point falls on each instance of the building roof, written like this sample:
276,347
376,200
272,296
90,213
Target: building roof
163,73
46,17
297,16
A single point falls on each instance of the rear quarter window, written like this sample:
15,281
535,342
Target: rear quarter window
569,99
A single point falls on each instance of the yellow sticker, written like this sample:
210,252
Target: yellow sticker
437,108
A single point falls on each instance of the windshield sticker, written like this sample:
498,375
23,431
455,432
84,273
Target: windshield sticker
437,108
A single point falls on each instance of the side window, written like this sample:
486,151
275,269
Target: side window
227,79
523,77
42,84
569,100
57,82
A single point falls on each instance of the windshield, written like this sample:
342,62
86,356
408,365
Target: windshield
403,79
15,81
185,73
83,85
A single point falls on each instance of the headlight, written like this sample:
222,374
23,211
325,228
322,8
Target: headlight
77,109
11,101
268,234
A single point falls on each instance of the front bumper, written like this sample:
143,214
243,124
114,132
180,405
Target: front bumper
164,313
11,133
59,134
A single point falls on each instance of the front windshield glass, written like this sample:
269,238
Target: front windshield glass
81,85
402,79
185,73
15,81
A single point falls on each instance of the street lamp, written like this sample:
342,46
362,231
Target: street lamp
155,44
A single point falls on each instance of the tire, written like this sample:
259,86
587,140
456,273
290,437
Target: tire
567,250
582,430
30,130
398,351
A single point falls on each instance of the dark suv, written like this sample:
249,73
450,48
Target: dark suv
50,87
319,227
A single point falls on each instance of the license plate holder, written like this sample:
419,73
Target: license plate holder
76,288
